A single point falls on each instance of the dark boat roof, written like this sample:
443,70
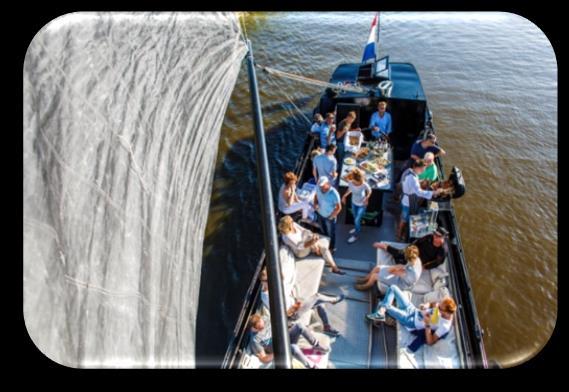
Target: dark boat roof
406,81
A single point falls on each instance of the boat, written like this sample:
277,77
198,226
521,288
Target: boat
362,344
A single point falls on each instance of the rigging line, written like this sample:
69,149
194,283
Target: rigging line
243,29
272,80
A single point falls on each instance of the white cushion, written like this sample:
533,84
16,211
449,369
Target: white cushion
308,276
288,266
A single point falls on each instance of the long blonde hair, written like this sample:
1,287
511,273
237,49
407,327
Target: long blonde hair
285,224
357,175
411,254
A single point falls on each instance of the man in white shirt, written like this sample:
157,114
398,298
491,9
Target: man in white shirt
411,188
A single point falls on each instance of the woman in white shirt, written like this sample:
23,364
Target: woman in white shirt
302,242
289,202
403,276
361,192
430,321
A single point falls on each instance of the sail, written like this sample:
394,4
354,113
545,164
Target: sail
122,117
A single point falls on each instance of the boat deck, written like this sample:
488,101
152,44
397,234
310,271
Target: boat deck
360,345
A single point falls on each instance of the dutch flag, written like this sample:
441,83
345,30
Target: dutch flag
369,51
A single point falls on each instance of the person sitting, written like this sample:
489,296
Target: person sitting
404,277
380,121
327,205
289,202
361,192
432,248
343,129
431,173
429,322
411,189
425,145
326,165
303,242
296,308
260,340
353,141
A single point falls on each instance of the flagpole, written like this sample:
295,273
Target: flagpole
377,42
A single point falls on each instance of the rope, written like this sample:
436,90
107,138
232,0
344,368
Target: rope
273,81
243,28
304,79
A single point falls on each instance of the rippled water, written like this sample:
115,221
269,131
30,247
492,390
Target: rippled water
491,81
122,114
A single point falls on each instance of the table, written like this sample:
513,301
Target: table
385,176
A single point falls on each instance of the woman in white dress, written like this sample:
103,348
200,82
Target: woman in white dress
402,276
302,242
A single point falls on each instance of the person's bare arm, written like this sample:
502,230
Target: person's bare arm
366,199
264,357
430,337
345,197
336,211
289,196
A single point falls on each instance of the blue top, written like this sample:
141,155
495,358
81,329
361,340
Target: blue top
384,124
417,149
325,165
327,201
316,128
324,130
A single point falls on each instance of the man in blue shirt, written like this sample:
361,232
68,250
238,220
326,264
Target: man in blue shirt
327,204
380,121
328,131
423,146
326,165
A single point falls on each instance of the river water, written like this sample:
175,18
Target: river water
491,81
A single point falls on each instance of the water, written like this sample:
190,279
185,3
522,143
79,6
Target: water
491,81
122,116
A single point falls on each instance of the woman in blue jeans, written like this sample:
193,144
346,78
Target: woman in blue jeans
434,318
361,192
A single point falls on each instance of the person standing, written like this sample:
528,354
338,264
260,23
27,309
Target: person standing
344,127
412,191
380,121
328,131
361,192
326,165
327,205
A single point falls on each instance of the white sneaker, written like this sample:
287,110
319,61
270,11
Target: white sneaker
352,231
352,239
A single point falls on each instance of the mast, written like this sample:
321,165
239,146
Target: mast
279,328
